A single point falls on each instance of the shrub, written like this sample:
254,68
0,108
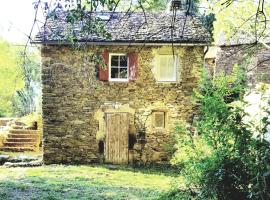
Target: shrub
223,158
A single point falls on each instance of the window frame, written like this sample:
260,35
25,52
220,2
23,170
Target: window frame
176,67
118,79
154,119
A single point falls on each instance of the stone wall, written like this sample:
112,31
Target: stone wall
257,57
74,103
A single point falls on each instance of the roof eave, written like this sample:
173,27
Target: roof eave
130,43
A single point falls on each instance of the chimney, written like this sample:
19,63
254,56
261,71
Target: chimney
176,5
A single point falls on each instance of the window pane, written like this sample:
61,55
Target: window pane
166,68
159,119
115,61
119,67
123,61
114,72
123,73
168,73
162,67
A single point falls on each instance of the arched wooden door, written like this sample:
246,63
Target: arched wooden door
116,143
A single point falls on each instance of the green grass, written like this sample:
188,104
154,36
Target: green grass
83,182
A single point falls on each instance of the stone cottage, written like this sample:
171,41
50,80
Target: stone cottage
241,50
124,109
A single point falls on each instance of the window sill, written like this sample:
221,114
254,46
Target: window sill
119,80
159,129
167,82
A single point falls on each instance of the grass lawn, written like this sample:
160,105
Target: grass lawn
82,182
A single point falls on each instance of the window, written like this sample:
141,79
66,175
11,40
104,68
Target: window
166,68
118,67
159,119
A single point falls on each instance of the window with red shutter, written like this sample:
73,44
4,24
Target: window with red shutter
118,67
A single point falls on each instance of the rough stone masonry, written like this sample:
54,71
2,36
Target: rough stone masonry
75,100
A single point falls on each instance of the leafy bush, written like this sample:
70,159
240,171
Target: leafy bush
222,158
11,78
20,81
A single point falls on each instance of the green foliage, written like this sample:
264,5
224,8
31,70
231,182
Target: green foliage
177,194
161,5
11,78
222,158
91,25
235,19
20,76
155,5
25,101
191,149
208,22
214,98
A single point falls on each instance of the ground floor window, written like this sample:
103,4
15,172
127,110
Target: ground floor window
159,119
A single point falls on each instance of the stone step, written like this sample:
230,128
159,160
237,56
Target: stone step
17,149
22,158
21,139
23,131
35,163
20,144
13,135
5,121
17,127
24,164
20,123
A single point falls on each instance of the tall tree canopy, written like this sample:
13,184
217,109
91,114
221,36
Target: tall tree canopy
247,19
11,78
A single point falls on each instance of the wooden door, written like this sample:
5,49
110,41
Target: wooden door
116,144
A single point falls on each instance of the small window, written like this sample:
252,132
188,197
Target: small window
166,68
118,67
159,119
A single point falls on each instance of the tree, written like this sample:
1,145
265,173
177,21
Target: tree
247,20
11,78
27,100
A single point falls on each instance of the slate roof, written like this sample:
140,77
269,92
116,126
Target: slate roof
136,27
240,38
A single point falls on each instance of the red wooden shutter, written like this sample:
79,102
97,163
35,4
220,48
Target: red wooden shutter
133,66
104,73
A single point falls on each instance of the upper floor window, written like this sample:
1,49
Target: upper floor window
118,67
166,68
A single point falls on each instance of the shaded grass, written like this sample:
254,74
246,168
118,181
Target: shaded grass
81,182
166,170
